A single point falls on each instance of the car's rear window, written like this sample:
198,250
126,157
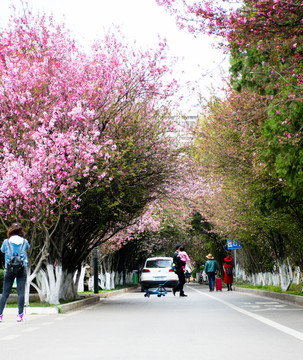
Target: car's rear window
158,263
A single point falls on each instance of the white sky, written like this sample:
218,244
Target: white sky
141,21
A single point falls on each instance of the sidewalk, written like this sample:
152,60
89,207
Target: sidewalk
294,299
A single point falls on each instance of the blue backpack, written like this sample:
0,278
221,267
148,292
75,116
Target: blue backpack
15,264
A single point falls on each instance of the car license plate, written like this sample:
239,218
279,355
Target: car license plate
160,278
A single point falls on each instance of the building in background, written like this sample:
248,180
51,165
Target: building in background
184,122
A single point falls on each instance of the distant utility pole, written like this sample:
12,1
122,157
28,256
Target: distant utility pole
96,282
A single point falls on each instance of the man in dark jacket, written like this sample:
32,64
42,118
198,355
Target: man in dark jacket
180,272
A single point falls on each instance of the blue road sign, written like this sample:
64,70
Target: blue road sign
233,244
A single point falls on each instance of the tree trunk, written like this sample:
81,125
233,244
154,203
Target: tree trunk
286,278
68,288
107,281
112,280
79,279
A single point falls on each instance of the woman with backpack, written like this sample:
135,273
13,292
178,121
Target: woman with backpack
14,248
228,272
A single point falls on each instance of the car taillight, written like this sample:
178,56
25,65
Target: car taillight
145,270
170,270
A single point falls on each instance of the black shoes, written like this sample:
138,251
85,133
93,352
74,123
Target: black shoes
181,294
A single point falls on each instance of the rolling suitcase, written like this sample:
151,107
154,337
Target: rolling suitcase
218,284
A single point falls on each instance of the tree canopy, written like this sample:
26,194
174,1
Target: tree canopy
249,144
85,142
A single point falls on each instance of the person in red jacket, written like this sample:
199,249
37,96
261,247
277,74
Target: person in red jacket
228,272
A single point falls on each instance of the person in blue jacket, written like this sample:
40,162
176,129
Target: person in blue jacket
211,267
12,246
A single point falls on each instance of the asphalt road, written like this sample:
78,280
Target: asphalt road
219,325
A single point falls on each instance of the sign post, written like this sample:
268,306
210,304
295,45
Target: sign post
234,245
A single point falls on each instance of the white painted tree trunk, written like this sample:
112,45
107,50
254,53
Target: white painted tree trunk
282,275
80,285
285,276
53,284
48,283
297,275
102,280
112,280
29,279
107,281
40,285
54,274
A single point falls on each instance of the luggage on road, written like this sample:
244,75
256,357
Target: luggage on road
218,284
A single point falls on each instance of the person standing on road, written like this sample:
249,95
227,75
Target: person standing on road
15,244
211,267
179,264
228,272
187,276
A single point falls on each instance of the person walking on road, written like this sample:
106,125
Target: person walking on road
183,256
228,272
179,268
211,267
14,245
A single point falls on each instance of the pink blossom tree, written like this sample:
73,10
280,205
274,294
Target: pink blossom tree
81,134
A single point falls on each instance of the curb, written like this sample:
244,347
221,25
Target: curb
294,299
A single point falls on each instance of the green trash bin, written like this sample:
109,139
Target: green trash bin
135,277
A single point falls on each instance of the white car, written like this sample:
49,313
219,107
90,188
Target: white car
156,271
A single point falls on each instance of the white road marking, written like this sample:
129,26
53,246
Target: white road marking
9,337
265,307
30,329
274,309
267,303
285,329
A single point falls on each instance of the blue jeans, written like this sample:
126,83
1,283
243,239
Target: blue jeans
211,280
7,287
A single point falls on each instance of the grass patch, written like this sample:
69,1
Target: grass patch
293,290
31,304
41,304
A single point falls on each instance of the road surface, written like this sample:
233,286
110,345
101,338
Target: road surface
218,325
